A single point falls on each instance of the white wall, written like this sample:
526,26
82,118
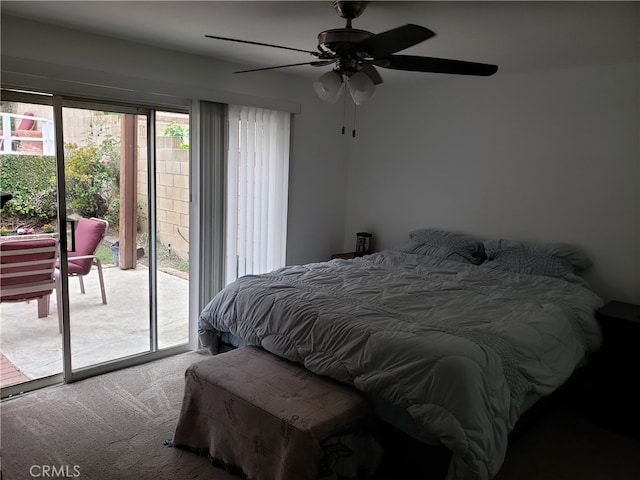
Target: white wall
83,64
547,156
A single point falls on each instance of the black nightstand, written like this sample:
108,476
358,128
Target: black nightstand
616,369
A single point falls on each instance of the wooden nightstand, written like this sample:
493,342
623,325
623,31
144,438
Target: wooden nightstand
616,370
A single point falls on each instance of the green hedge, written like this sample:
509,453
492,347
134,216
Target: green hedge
32,182
92,179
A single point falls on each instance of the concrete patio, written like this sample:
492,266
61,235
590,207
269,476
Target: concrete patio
99,332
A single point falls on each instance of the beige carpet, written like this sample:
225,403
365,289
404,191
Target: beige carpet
113,427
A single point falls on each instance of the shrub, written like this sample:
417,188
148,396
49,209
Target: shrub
91,179
32,182
113,214
176,129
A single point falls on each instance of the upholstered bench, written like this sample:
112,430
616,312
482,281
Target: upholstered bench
266,418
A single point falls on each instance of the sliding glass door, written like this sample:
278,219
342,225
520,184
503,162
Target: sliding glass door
123,225
108,290
172,226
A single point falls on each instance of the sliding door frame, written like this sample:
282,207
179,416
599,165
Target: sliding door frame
70,374
58,102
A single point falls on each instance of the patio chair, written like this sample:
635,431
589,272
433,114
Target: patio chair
27,123
27,271
25,128
89,233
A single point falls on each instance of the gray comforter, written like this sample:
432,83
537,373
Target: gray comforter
455,346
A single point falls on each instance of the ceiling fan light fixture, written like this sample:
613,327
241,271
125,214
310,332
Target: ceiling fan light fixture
329,86
361,87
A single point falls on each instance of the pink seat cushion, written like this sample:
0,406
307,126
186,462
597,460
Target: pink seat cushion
78,268
89,234
19,245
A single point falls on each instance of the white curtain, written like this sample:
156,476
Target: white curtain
257,190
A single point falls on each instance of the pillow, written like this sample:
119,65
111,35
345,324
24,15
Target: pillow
551,260
446,245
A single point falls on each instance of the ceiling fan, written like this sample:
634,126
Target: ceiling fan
355,54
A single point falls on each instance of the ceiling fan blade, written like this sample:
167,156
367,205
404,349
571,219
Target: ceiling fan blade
394,40
262,44
371,72
315,63
435,65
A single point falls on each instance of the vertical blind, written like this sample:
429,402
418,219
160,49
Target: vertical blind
257,190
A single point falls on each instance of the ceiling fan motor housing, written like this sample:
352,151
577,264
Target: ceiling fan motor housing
342,44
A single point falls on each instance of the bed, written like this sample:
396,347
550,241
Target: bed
449,337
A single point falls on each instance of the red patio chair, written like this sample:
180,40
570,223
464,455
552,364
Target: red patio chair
27,271
25,128
27,123
89,233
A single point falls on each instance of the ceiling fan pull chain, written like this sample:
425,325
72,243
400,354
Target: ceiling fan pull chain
355,108
344,112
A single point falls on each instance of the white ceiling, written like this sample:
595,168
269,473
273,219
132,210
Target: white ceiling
517,36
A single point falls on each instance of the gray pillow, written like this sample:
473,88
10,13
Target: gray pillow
446,245
551,260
